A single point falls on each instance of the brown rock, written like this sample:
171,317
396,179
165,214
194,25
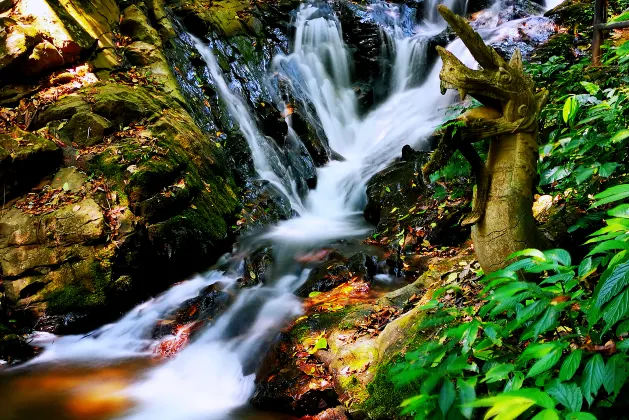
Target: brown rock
44,56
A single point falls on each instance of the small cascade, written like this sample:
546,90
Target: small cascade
267,161
131,335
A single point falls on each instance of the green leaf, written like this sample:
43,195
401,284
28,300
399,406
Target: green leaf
510,405
622,328
613,282
620,135
570,109
616,374
591,88
66,186
314,294
538,350
559,255
623,345
593,377
545,363
504,407
580,416
607,169
469,336
548,414
321,343
447,395
515,382
498,373
620,211
616,309
584,173
617,193
429,384
585,268
608,246
569,395
548,320
570,365
467,394
529,252
531,311
554,174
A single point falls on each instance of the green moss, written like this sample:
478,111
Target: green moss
78,297
317,322
385,396
561,45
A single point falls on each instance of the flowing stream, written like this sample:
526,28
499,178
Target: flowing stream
214,374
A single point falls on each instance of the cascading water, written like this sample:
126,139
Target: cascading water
214,374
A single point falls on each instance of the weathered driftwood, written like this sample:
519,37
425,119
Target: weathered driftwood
502,216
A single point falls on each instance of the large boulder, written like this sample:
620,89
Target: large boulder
15,42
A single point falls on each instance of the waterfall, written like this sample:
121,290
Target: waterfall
213,375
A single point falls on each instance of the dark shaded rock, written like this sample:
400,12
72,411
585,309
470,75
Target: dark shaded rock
331,272
123,104
211,302
309,136
13,348
256,269
44,57
86,129
577,15
6,5
263,205
286,388
70,179
272,122
336,413
24,159
10,95
396,186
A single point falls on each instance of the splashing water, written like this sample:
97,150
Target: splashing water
215,374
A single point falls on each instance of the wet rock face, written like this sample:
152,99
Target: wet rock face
286,386
336,269
399,184
195,313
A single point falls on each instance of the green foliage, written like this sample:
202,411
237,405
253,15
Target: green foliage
585,139
542,344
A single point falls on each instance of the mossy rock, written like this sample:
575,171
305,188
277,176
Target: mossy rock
574,14
15,42
560,45
24,159
86,129
135,24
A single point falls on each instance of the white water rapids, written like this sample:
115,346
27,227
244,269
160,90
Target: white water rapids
212,376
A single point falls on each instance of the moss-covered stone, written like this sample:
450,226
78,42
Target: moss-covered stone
15,42
86,129
24,159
